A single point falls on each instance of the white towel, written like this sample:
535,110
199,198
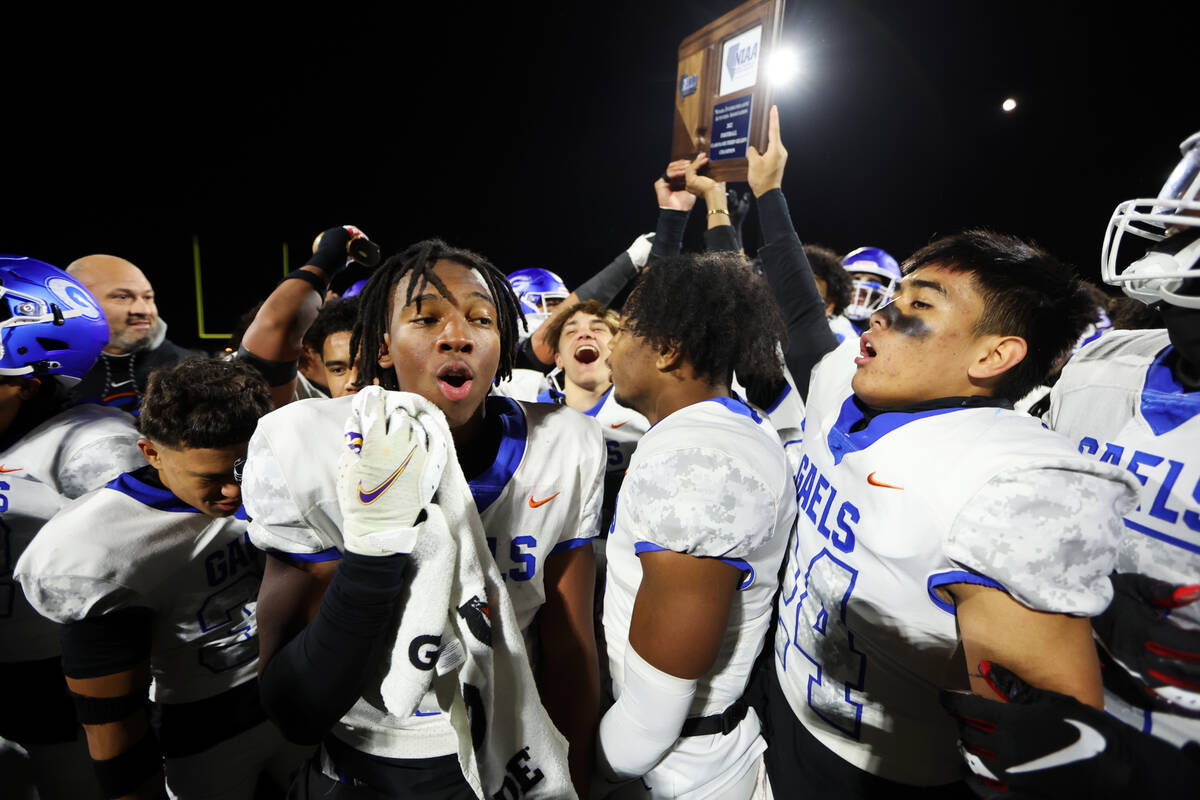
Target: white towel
507,745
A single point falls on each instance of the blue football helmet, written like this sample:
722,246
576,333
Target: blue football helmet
1171,222
873,291
50,324
539,291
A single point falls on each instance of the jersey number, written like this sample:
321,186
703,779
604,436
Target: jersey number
527,560
233,607
615,456
820,635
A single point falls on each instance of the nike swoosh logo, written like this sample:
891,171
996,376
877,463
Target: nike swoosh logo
10,469
871,480
1089,743
535,503
619,424
373,495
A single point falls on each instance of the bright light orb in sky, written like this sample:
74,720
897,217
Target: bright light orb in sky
1009,104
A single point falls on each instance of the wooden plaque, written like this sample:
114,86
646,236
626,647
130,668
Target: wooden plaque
722,95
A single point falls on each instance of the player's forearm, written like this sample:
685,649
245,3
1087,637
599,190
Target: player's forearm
279,326
126,759
314,679
668,233
570,691
788,272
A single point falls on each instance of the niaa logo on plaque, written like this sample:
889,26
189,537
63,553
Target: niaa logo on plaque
739,61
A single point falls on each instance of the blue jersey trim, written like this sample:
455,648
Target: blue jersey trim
957,576
594,410
551,395
742,566
147,495
737,406
1163,537
570,544
426,713
487,487
841,441
787,389
1164,403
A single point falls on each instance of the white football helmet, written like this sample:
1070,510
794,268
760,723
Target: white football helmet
1172,222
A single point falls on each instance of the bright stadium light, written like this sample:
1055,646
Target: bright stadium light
1009,104
784,66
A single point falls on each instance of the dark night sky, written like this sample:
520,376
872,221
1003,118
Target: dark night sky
532,132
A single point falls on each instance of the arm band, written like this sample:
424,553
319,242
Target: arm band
103,710
608,282
96,646
316,677
790,276
722,237
311,278
645,722
668,234
123,774
277,373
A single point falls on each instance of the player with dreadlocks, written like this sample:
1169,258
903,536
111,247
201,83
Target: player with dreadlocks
439,322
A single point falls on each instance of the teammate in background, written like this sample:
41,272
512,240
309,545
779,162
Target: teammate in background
931,516
274,342
874,279
330,336
137,342
833,282
151,577
1132,399
700,530
580,338
52,332
443,323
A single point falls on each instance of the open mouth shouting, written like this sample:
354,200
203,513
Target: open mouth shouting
454,380
587,353
866,350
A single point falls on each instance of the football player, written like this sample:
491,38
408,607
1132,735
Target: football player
580,338
439,322
700,530
152,580
1132,399
331,332
931,516
874,278
833,282
52,332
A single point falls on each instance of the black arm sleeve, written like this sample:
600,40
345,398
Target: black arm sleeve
606,284
788,271
316,677
103,645
722,237
668,234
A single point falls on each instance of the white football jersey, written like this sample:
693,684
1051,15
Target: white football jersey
131,544
711,481
843,328
541,497
1118,402
523,384
892,510
621,426
66,456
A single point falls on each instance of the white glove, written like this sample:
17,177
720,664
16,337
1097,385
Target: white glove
639,251
389,471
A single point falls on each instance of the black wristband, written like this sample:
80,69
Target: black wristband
276,373
102,710
123,774
668,233
311,278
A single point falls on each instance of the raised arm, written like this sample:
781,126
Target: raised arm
274,340
784,263
720,234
